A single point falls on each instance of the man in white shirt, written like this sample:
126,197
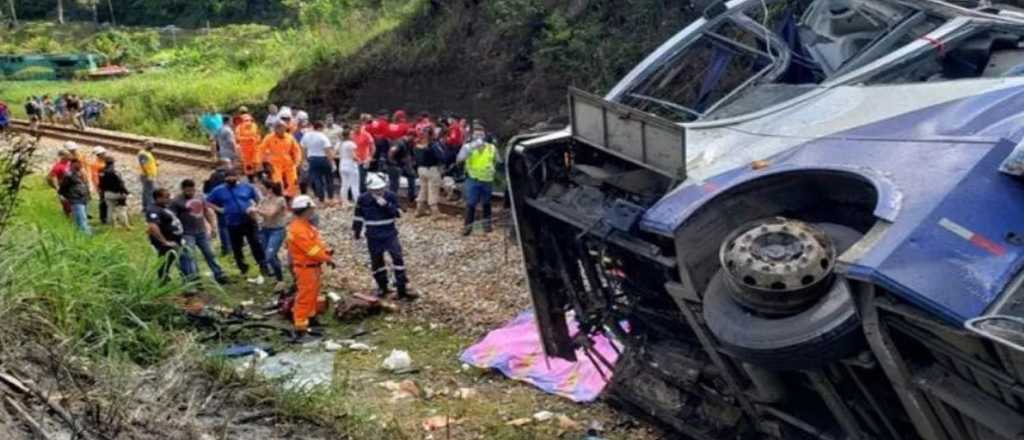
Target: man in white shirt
320,156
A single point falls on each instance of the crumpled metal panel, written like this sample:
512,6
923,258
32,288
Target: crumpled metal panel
937,171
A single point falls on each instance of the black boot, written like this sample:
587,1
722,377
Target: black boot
382,285
405,294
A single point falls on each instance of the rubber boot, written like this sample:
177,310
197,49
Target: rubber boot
382,285
467,230
404,294
488,228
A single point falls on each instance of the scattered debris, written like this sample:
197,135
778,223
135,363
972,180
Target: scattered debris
465,393
397,361
519,422
568,424
299,370
439,422
543,416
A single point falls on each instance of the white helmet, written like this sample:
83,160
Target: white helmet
285,113
70,146
302,202
302,116
376,181
99,151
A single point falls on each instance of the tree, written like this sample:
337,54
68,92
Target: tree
14,14
110,5
60,11
93,6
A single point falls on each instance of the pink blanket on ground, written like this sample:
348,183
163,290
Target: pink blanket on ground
515,349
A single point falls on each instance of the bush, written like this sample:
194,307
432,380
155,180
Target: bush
100,293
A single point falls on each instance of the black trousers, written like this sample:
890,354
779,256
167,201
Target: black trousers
104,216
240,234
390,245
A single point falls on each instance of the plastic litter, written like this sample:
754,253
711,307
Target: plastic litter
298,370
398,360
543,416
241,350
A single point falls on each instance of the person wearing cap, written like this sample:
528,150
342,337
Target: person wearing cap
236,201
280,150
239,114
148,172
285,116
74,188
481,159
379,129
247,135
377,212
58,171
96,166
308,254
114,191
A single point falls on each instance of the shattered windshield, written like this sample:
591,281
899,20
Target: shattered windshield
769,52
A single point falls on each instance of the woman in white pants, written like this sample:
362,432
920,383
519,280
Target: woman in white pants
348,169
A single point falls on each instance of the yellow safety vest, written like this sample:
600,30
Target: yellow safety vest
149,168
480,163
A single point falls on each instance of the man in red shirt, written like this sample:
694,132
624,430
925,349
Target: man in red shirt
379,130
365,148
399,127
58,171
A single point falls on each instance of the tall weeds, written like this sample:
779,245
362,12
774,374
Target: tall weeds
98,293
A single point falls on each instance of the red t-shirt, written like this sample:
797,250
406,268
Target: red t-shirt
378,128
455,138
396,130
364,144
60,169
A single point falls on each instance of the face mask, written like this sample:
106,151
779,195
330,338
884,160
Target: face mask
478,136
232,183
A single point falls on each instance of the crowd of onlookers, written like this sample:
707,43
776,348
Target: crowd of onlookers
68,109
420,156
266,189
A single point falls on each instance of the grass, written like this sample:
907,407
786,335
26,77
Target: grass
102,295
199,72
100,292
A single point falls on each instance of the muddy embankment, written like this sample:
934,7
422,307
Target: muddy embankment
508,62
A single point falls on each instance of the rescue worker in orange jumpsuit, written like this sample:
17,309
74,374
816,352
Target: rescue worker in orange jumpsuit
283,154
247,134
308,254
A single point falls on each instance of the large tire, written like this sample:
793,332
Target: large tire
826,332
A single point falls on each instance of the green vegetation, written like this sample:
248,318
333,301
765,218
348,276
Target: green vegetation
191,72
100,293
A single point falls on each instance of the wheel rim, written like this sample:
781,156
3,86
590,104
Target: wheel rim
778,266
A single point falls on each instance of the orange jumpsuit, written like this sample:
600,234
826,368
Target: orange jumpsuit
96,167
284,155
309,253
247,135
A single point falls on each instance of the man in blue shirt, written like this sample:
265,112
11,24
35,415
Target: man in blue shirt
236,201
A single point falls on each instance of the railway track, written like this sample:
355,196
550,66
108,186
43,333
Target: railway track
185,153
166,149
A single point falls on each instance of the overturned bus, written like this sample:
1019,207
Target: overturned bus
792,217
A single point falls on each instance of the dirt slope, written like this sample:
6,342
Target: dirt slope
506,61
